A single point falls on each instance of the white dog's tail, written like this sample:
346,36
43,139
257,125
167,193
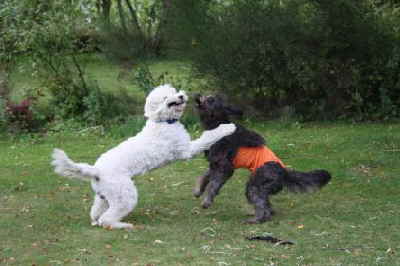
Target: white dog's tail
64,166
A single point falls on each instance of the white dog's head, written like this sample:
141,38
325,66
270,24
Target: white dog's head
165,104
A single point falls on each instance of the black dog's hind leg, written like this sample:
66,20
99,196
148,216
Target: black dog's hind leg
266,181
262,207
201,184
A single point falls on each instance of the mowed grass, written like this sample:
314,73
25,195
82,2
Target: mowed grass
44,218
109,76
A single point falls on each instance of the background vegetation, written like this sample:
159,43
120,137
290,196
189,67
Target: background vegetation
323,59
308,59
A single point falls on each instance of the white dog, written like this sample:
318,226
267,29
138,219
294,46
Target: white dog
162,140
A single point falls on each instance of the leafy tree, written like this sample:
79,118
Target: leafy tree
324,59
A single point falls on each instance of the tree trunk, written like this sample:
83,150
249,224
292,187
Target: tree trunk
4,88
104,9
135,21
159,38
122,16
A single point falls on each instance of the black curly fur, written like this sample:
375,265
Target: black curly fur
267,180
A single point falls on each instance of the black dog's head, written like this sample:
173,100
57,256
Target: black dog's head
214,111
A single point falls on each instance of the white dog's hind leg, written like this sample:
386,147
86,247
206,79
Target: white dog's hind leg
98,208
122,199
111,218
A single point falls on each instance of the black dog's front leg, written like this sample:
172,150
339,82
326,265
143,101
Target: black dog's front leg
201,184
217,179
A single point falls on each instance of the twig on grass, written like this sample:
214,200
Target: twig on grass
271,239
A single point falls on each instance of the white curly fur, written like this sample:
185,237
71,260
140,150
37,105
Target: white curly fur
162,140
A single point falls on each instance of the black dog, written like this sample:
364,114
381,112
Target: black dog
268,177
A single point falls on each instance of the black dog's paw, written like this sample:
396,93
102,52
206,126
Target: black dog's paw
252,212
206,204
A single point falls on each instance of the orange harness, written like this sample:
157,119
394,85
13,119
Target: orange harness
254,157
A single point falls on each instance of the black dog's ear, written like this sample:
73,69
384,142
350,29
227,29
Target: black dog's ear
233,111
197,97
230,110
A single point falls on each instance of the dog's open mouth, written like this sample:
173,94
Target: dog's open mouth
179,106
175,104
199,101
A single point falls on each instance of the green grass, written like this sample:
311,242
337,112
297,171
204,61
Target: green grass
44,218
353,221
109,76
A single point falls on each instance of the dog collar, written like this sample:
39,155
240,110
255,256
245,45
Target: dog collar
169,121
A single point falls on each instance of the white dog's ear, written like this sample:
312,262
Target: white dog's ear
148,110
150,113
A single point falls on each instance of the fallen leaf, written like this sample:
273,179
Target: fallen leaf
139,227
389,251
195,211
177,184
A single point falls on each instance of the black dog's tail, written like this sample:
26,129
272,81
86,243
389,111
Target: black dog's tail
297,181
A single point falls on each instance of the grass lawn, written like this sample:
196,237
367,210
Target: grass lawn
44,218
109,76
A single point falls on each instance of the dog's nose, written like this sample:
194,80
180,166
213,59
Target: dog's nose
180,97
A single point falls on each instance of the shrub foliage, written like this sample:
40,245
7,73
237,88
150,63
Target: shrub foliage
323,59
52,37
326,59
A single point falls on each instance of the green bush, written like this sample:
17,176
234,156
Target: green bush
21,21
146,80
103,107
130,127
53,35
75,95
121,46
3,117
324,59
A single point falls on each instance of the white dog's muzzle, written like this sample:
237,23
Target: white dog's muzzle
164,103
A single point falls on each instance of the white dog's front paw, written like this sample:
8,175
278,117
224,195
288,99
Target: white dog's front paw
226,129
